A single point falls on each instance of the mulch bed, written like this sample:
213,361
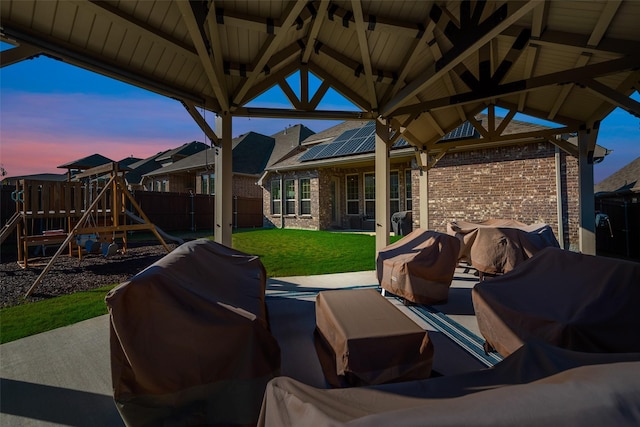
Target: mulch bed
69,274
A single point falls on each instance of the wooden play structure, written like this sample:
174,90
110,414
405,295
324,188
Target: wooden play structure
80,216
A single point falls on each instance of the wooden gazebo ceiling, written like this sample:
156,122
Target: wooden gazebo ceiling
428,66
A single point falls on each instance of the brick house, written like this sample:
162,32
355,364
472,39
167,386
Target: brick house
329,182
196,173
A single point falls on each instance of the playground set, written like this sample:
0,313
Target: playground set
89,215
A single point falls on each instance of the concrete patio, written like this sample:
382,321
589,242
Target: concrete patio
63,377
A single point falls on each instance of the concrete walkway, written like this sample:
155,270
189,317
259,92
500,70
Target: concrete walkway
63,377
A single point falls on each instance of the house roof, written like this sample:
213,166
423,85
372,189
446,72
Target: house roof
38,177
87,162
287,139
626,179
128,161
250,154
186,149
333,132
142,167
356,142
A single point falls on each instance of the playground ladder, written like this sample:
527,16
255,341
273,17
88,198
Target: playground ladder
9,226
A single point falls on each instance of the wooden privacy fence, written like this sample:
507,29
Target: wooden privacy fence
50,205
181,211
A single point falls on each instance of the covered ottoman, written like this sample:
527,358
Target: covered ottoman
190,342
420,266
570,300
362,339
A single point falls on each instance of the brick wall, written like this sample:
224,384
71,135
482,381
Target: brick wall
295,220
516,182
246,186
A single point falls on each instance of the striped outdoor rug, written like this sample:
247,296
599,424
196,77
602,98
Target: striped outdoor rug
442,323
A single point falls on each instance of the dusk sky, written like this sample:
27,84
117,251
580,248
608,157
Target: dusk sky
52,113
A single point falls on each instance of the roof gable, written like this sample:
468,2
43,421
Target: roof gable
87,162
625,179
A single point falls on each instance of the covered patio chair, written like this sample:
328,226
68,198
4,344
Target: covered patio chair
190,340
419,267
567,299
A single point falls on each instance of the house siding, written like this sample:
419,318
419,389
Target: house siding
516,182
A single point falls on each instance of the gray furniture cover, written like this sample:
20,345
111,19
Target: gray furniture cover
190,343
571,300
538,385
496,246
420,266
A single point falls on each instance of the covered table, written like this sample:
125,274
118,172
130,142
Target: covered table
362,339
419,267
496,246
190,342
570,300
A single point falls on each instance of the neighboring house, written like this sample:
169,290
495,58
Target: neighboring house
329,182
163,159
83,164
196,173
618,205
12,180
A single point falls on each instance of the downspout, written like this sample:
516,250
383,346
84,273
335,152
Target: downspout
281,200
626,226
559,200
193,225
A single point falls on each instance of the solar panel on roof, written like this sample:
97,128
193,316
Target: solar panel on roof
365,131
330,149
401,142
368,145
349,147
465,130
346,135
312,152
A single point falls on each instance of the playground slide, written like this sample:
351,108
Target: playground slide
164,235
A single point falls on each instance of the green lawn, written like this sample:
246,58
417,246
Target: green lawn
283,253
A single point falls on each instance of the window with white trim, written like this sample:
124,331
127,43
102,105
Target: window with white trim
394,192
290,197
208,185
305,196
275,197
353,195
369,195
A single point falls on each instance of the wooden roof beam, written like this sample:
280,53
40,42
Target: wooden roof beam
505,16
515,87
340,87
268,49
195,114
260,24
612,96
17,54
364,52
315,29
198,39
